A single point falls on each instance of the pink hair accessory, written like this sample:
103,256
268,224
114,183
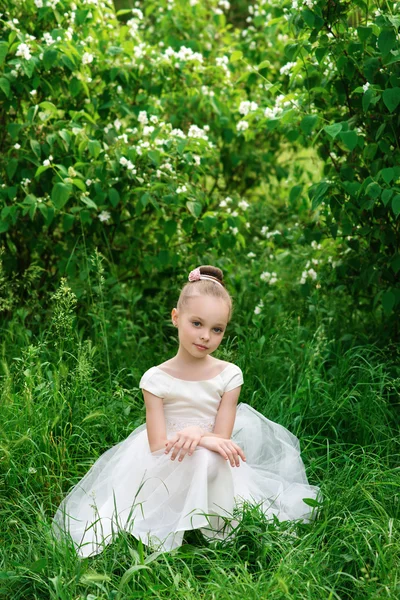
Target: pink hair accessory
194,275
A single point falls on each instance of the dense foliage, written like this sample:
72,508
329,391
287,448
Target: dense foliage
164,134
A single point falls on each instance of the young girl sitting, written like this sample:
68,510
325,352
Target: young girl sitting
200,453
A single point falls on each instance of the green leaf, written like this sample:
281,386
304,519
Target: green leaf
75,86
318,193
154,155
364,33
308,122
68,222
113,196
391,98
349,138
333,129
4,225
386,41
367,98
395,263
49,58
386,195
396,205
388,301
373,190
35,147
49,107
194,207
264,65
295,193
5,86
79,184
94,147
387,174
311,502
11,167
41,170
3,51
235,56
60,194
89,203
308,17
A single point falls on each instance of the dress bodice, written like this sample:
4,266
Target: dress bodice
190,402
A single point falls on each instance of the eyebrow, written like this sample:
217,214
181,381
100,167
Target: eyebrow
200,319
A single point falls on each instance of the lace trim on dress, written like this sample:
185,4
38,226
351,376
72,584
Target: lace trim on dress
177,424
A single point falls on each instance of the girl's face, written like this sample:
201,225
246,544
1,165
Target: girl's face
203,322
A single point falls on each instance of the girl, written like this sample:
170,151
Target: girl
199,454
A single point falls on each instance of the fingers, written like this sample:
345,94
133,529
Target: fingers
193,446
183,451
233,451
170,443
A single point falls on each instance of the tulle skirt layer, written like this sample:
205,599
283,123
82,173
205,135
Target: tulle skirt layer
157,499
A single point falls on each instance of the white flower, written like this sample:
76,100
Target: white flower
104,215
123,161
243,204
312,273
142,118
148,129
24,51
32,470
251,255
365,86
259,307
287,68
88,182
46,163
182,189
87,58
242,125
17,146
265,276
33,92
273,280
246,106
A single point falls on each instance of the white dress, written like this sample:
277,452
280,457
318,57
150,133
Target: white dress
157,499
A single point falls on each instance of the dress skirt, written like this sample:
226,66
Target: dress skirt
156,499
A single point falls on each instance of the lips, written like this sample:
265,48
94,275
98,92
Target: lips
200,346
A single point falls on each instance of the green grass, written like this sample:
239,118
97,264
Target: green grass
62,407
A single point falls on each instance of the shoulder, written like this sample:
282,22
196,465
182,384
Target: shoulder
232,375
155,381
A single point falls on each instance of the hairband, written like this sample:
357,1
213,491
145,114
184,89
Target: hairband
195,275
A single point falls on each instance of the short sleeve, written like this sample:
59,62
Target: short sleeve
154,382
234,378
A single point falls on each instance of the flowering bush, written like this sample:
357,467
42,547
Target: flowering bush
164,132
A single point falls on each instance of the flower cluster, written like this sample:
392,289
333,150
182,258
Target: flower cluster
270,278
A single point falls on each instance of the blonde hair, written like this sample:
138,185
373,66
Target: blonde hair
206,287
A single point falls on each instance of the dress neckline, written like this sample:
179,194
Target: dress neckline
196,380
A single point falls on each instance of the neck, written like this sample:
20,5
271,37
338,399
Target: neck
184,358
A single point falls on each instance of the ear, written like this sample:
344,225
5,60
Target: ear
174,314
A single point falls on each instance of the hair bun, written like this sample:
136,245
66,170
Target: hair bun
213,271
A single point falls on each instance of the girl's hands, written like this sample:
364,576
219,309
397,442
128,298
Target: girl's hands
226,448
184,441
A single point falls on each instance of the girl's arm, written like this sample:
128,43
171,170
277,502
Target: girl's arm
155,421
226,415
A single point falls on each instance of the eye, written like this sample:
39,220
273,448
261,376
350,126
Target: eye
219,328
